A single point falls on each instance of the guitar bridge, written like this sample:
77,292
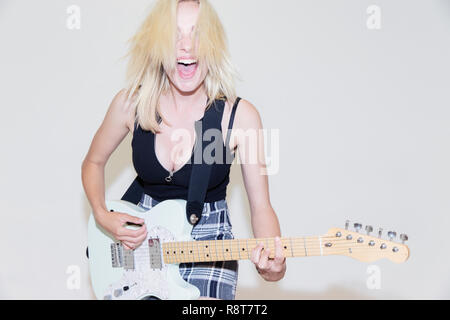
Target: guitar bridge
116,255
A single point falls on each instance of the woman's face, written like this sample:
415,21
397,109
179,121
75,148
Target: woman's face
190,73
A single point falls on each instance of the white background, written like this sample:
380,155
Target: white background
364,135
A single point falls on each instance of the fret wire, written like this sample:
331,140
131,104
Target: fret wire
169,250
223,250
208,253
267,243
193,250
204,253
292,247
204,247
304,244
173,253
215,246
209,250
198,252
252,245
248,255
175,256
184,252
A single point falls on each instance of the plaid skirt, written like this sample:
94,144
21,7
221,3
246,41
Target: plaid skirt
214,279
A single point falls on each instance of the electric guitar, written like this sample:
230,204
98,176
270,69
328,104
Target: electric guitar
151,270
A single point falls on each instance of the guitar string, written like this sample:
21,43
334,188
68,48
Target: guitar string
234,244
170,260
311,239
312,251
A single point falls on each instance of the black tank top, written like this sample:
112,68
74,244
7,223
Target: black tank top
161,184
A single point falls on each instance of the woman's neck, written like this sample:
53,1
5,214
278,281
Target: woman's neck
192,103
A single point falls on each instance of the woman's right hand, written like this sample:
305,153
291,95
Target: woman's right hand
115,224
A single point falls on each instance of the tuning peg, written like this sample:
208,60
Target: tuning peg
357,226
403,237
369,229
346,224
392,235
380,231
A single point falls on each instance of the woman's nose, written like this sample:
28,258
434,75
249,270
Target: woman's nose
186,43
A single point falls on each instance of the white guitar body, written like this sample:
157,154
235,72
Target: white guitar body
146,276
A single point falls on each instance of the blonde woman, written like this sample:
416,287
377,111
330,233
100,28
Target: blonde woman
179,69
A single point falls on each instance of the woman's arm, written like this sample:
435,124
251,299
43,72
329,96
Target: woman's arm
112,131
248,132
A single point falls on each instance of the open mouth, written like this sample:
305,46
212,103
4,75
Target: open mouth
187,68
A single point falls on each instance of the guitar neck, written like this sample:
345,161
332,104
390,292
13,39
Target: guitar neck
241,249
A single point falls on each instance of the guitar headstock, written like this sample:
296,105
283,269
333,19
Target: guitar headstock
365,247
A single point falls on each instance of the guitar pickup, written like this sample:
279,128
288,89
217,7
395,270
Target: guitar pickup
154,248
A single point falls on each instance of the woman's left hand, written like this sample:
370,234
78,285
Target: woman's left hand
270,269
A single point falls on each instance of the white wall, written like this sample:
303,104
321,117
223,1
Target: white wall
363,119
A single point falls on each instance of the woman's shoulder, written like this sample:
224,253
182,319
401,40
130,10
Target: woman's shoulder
247,115
123,105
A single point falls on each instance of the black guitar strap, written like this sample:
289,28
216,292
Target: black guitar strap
201,169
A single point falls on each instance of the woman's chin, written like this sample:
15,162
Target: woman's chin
188,86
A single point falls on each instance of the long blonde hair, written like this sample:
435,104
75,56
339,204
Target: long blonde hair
152,51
